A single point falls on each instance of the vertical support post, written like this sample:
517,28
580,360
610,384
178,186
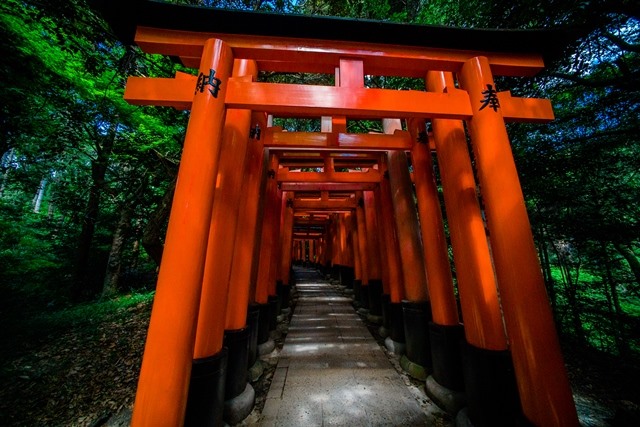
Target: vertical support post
161,397
540,372
373,247
363,251
269,228
416,311
287,243
240,281
215,284
476,282
436,254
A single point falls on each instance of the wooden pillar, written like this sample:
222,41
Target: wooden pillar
373,242
392,260
483,325
407,228
436,254
166,366
540,371
242,278
312,251
215,284
287,237
274,263
363,251
270,225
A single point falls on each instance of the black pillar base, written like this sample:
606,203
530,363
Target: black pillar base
446,356
237,343
346,277
284,293
396,322
263,323
274,310
490,383
335,272
375,297
205,403
364,297
417,315
253,323
386,315
279,286
357,287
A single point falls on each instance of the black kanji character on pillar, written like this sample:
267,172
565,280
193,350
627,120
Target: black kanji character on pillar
490,98
210,80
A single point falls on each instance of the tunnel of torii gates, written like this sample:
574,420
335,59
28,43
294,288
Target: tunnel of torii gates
245,207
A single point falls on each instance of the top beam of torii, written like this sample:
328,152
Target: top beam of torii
298,43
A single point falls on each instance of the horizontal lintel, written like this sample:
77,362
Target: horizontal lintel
333,141
312,55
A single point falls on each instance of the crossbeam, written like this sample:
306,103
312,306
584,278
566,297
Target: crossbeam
333,141
371,176
321,205
284,54
326,186
314,101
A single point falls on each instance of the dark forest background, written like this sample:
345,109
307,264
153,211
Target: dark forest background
86,180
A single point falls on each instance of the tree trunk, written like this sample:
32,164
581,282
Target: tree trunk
621,341
114,265
37,200
83,287
152,237
631,258
571,293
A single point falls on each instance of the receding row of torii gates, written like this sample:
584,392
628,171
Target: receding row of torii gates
246,207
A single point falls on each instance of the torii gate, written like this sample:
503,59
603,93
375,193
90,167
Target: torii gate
210,41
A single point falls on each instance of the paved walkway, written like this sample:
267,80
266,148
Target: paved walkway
331,371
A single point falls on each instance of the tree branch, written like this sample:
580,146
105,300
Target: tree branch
620,42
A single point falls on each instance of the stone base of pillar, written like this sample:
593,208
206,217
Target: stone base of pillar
446,355
386,300
449,400
417,315
372,318
284,292
266,347
346,277
255,371
415,370
281,318
205,402
490,384
383,331
395,347
238,408
237,343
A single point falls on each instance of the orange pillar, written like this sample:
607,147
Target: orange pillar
476,282
384,255
436,254
240,279
269,227
392,261
542,380
274,265
166,366
363,251
312,251
287,237
215,285
373,242
407,228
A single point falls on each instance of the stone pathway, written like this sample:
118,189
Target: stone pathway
331,372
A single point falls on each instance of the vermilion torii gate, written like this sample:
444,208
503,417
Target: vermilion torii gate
223,251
